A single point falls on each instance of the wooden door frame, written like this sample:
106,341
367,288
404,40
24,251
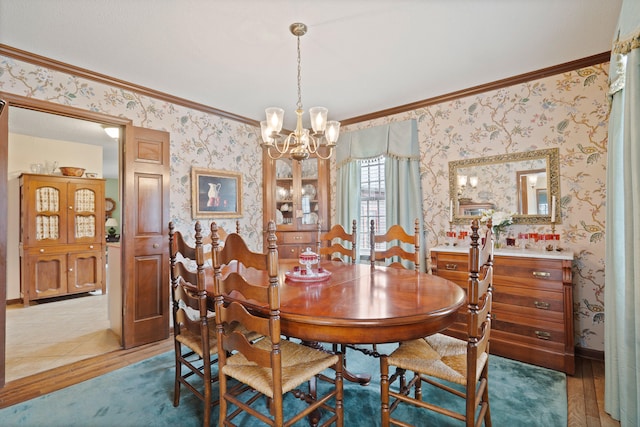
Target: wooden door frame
13,101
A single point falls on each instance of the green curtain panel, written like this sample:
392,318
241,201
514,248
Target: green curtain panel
622,269
398,143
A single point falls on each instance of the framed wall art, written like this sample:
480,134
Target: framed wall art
215,194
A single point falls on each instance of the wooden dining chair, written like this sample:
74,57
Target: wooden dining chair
193,325
396,242
336,244
271,367
443,361
222,234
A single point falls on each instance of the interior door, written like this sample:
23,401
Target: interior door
145,242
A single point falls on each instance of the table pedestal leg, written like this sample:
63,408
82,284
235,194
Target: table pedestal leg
362,379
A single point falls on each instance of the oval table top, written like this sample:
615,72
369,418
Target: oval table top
359,304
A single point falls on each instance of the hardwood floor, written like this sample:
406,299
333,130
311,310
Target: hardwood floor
585,390
56,333
585,396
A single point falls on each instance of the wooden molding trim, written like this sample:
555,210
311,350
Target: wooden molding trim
32,58
62,110
587,353
42,61
498,84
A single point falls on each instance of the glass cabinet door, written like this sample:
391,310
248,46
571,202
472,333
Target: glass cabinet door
296,194
309,191
285,191
47,203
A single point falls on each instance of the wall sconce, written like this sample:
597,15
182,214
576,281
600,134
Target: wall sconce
462,183
473,181
533,180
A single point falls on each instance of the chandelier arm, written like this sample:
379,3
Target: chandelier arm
328,156
271,155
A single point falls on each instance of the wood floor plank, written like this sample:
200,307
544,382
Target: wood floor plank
590,400
576,414
598,381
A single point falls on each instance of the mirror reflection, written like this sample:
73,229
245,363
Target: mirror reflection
519,183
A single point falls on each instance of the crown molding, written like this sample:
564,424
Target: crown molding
32,58
498,84
42,61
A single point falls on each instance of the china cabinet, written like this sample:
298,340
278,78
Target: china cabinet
532,316
296,197
61,236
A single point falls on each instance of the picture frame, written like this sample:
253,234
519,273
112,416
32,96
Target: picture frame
215,193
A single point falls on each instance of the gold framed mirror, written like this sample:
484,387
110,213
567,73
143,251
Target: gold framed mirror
520,183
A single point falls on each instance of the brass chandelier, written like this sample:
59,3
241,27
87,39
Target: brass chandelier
301,143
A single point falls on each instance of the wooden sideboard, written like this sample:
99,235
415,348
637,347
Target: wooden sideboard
532,304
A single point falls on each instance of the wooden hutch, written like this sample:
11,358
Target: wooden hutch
62,238
296,197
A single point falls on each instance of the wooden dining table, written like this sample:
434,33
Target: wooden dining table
360,304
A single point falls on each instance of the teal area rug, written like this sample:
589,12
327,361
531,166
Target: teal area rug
142,395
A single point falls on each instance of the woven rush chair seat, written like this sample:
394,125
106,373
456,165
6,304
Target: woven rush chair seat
299,364
439,356
442,361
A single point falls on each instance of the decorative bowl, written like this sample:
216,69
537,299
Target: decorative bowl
71,171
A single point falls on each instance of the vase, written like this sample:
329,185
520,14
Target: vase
497,242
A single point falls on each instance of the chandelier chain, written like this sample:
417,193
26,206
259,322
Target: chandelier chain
299,104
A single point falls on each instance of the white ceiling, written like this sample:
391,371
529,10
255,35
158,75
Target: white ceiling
358,56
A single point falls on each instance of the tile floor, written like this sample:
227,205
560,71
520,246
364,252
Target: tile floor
47,335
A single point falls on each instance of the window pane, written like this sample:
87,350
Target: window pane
372,206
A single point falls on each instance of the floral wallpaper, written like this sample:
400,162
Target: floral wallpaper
197,139
568,111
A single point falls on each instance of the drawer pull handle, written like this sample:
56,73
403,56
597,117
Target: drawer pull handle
541,274
298,237
542,305
41,251
451,266
90,246
156,245
543,335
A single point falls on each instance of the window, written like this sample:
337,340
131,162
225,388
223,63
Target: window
372,201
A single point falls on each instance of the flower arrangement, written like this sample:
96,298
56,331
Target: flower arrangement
499,219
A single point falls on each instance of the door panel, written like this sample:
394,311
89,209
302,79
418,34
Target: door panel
145,237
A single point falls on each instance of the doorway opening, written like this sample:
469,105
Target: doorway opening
60,330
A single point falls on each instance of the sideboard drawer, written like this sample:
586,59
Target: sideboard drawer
530,272
452,266
529,302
